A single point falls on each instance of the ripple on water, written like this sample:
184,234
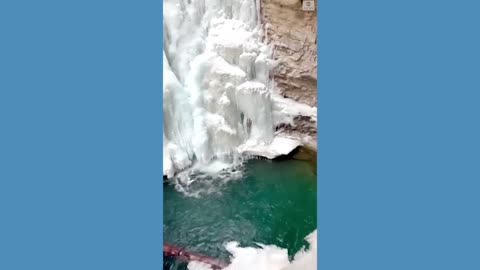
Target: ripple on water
272,203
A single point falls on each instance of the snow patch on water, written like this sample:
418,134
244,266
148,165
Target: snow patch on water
267,257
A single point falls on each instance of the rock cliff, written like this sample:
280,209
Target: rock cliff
292,34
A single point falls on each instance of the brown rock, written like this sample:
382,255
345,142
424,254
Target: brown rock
292,33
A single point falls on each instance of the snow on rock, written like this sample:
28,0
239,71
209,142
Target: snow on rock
280,146
285,109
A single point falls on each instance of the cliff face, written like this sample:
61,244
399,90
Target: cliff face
292,33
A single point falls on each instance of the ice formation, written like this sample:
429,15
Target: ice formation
267,257
218,100
215,91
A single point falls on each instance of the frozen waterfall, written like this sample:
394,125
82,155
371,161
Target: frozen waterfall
216,91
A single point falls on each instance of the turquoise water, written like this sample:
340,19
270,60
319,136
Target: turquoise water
274,203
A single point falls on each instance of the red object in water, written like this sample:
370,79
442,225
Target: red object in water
170,250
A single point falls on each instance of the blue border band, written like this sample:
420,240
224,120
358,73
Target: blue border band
81,131
399,161
80,135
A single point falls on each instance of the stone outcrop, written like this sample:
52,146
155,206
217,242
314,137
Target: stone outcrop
292,34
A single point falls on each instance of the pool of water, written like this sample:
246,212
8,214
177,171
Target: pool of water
273,203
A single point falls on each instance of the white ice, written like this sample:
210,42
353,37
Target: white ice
215,81
267,257
280,146
218,100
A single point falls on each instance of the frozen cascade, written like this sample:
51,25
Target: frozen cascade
216,91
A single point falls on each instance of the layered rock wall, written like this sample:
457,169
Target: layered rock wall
292,34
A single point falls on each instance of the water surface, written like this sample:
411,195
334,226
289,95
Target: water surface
274,203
